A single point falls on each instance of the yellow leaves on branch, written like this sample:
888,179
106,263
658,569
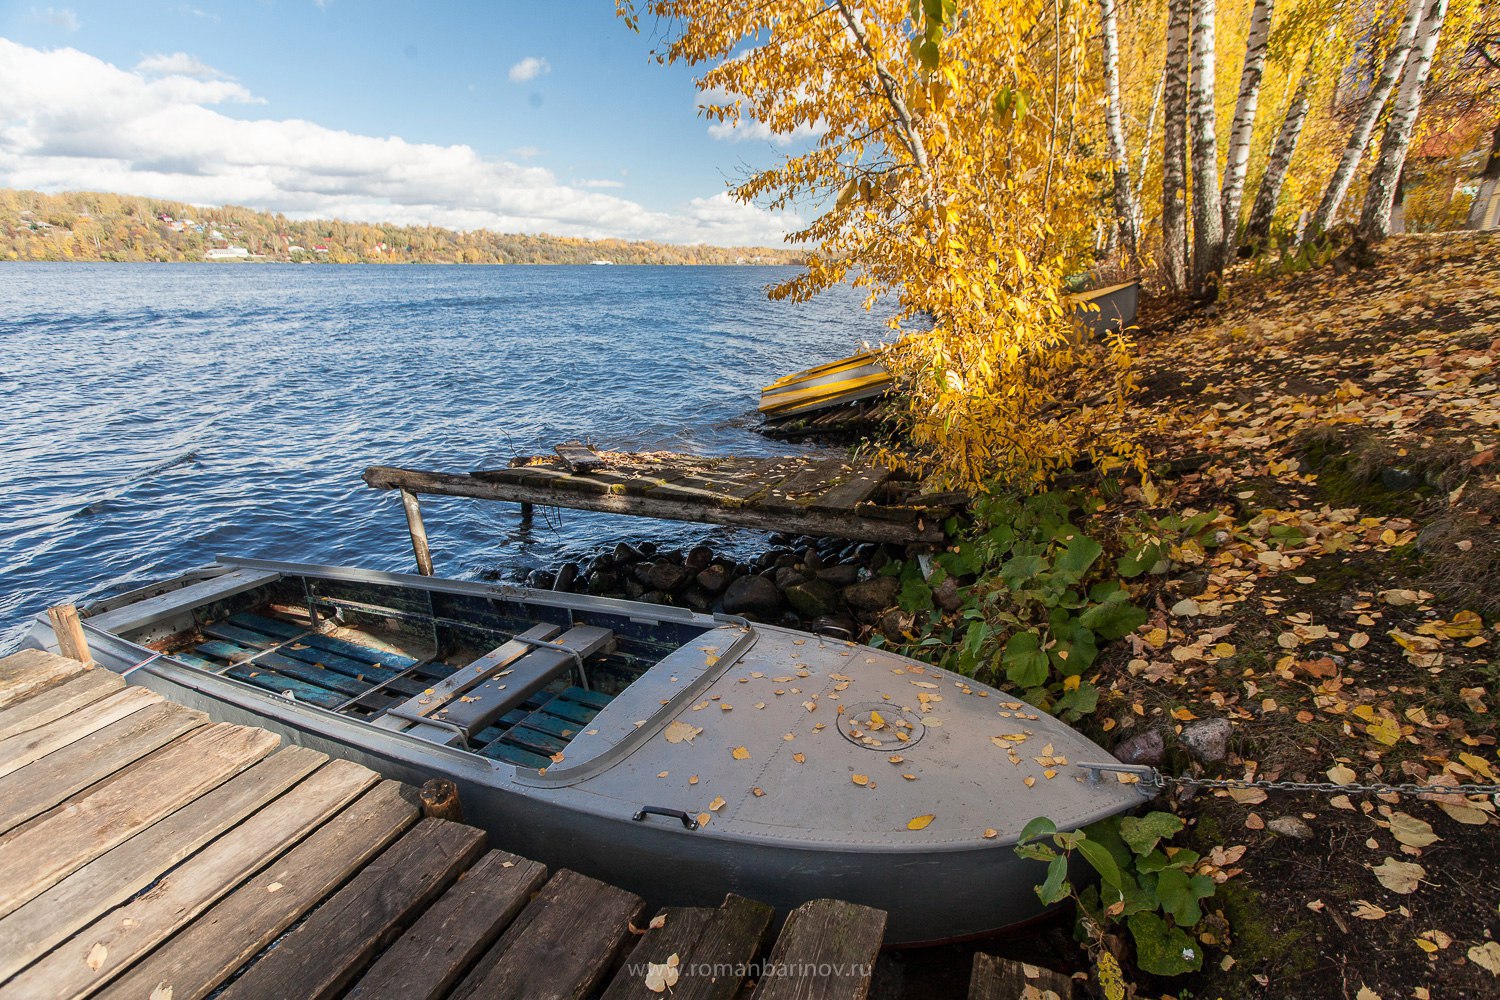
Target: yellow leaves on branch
957,180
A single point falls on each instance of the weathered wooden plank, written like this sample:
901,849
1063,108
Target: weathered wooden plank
44,706
42,784
31,670
132,616
996,978
110,880
837,938
206,952
855,489
796,491
38,856
683,926
578,456
748,515
428,959
101,951
68,630
322,956
23,748
731,941
561,947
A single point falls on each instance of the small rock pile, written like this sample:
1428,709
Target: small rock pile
820,584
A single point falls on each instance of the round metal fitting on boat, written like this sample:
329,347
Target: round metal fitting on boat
880,726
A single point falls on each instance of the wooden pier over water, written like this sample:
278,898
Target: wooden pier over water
829,497
149,853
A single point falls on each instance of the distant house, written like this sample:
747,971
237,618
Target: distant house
227,253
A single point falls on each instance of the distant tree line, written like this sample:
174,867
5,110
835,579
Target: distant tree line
93,226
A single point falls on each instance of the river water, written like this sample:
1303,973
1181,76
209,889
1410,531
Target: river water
158,415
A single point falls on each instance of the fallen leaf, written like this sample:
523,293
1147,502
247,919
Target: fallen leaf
1401,877
800,758
1411,831
1487,957
740,753
717,804
921,822
860,779
1341,775
658,922
661,977
678,732
1366,910
991,833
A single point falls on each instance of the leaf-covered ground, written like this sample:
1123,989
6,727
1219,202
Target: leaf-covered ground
1335,600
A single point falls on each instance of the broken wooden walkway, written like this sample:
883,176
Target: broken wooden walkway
148,853
802,495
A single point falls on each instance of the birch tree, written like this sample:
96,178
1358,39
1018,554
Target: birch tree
1208,230
1364,124
1280,160
1380,196
1174,144
1242,128
1126,216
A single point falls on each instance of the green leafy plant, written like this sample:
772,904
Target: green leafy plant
1144,882
1040,601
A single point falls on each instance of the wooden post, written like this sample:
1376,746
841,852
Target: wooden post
525,512
418,532
71,642
440,799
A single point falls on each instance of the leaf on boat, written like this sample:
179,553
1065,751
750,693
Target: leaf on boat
800,758
757,791
1401,877
991,833
661,774
678,732
740,753
921,822
860,779
922,684
909,777
726,707
717,804
693,779
703,818
896,758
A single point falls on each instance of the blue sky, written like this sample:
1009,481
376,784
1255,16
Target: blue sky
548,115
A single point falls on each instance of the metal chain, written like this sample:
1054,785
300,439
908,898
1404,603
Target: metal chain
1152,776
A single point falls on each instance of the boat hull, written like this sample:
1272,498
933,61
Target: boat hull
933,889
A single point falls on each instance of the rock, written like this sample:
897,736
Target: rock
642,571
634,589
893,624
947,596
786,560
812,598
697,600
655,597
1207,740
713,579
872,595
668,577
540,579
626,553
1143,748
752,595
601,583
648,549
566,574
788,576
671,555
842,575
837,626
1290,826
764,561
877,560
698,558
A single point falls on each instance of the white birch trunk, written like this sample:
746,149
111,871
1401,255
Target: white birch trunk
1174,144
1280,160
1125,210
1364,125
1380,197
1140,174
1242,130
1208,230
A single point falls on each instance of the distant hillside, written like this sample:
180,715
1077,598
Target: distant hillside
86,226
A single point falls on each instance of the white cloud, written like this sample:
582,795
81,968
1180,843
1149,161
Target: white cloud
748,128
178,64
529,69
69,121
526,152
600,184
59,17
197,12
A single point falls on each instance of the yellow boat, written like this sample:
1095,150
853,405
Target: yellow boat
863,375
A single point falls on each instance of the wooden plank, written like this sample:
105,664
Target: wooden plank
44,706
336,943
208,951
31,670
578,456
40,855
132,616
23,748
841,939
856,489
491,663
68,630
684,925
561,947
108,881
996,978
428,959
42,784
105,948
731,940
748,515
797,490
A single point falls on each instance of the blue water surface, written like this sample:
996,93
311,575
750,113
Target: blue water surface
159,415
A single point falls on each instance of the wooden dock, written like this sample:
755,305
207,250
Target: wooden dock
149,853
811,496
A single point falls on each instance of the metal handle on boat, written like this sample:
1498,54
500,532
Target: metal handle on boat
688,821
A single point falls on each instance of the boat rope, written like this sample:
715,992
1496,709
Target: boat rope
1152,777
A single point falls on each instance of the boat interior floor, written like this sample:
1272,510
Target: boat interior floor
522,702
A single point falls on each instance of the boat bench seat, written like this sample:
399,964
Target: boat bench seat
475,696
